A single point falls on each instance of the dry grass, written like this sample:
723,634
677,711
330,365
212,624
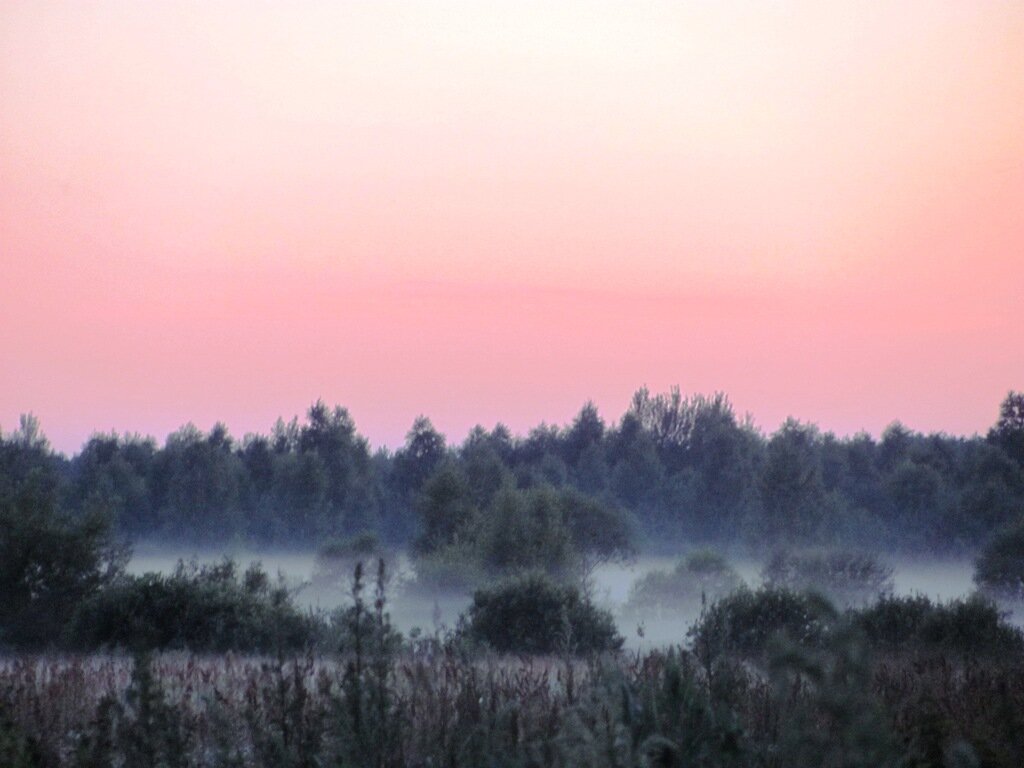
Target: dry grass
439,707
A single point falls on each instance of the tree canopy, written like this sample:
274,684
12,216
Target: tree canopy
674,468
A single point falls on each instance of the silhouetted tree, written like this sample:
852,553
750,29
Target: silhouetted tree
1008,432
792,493
423,451
446,508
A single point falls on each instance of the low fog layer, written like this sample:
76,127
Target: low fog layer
938,578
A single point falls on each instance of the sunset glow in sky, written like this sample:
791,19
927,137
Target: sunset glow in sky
495,211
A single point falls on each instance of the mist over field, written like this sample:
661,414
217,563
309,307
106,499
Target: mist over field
940,578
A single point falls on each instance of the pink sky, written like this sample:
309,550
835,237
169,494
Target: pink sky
495,211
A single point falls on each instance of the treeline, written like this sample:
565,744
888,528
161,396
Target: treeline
685,468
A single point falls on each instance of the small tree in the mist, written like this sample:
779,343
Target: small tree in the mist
601,532
446,509
337,556
559,531
524,530
701,576
999,570
848,578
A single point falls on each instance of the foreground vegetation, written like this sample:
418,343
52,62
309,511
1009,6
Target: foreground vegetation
768,679
532,675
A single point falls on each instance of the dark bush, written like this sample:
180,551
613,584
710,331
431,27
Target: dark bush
1000,567
846,578
207,608
49,563
533,613
971,626
743,622
832,715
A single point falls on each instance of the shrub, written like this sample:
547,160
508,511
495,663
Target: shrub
532,613
743,622
999,569
205,608
832,715
702,575
48,564
846,578
970,626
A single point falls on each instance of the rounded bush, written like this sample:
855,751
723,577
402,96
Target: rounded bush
532,613
204,608
973,625
743,622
